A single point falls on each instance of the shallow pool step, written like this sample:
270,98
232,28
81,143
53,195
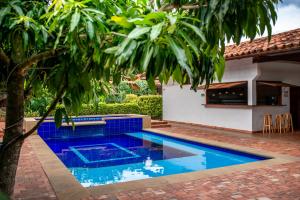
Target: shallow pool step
85,123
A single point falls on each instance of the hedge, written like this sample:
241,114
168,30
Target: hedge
147,105
118,108
150,105
111,108
131,98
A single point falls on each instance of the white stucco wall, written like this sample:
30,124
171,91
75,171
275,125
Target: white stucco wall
185,105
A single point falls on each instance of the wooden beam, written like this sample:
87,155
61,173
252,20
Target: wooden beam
295,57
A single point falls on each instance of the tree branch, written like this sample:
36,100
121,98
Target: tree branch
4,58
32,130
172,6
39,57
35,59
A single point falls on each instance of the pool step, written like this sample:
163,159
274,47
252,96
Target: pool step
159,124
85,123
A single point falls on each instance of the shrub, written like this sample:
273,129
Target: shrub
146,105
143,88
150,105
39,102
115,98
131,98
88,109
119,108
31,114
110,108
124,88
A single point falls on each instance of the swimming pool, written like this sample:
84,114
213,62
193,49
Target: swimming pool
106,158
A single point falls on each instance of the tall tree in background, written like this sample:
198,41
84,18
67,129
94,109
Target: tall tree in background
69,46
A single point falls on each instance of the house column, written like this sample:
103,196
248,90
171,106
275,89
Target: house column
252,100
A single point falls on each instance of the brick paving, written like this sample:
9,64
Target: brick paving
31,180
279,182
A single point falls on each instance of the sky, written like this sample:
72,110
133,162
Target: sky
288,13
288,16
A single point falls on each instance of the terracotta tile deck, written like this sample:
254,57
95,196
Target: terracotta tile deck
279,182
31,180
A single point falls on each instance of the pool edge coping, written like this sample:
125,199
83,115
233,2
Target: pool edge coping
66,186
61,180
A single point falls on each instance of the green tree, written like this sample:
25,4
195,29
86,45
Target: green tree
69,45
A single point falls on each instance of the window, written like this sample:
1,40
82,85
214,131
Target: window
235,93
268,93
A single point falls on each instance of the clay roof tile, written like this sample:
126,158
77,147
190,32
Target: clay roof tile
279,42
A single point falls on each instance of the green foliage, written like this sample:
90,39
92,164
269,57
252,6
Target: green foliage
119,108
118,94
32,114
131,98
39,102
106,109
80,45
115,98
151,105
146,105
3,196
144,89
124,87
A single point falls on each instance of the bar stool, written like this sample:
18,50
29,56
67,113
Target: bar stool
279,123
288,122
268,124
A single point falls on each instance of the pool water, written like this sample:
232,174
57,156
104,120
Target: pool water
109,159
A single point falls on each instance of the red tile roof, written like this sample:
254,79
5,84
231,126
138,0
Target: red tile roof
281,42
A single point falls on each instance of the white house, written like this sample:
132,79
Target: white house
260,77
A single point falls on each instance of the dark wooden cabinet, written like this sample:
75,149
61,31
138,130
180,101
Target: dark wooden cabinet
295,106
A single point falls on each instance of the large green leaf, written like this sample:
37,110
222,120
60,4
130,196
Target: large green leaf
111,50
172,19
18,9
180,55
196,30
90,29
138,31
74,20
25,39
94,11
156,30
58,117
155,15
220,68
127,52
3,13
122,46
190,42
177,76
122,21
147,54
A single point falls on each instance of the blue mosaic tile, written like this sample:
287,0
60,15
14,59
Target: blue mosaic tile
112,127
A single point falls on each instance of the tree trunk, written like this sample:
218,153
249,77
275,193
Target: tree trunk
14,127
